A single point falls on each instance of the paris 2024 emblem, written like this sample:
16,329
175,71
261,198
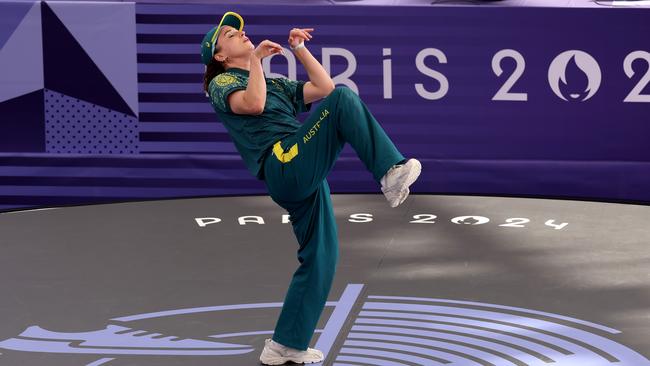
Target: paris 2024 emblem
574,75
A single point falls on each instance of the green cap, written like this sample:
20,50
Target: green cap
210,40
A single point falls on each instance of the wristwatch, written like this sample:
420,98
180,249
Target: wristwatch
300,45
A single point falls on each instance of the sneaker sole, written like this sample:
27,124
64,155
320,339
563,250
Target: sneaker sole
410,179
404,197
414,174
283,360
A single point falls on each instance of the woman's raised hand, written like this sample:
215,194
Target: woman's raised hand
298,35
267,48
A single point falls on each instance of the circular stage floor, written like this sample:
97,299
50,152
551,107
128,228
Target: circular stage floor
455,280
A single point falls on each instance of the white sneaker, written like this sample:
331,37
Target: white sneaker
276,354
395,183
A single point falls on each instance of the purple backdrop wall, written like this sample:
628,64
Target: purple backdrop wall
539,102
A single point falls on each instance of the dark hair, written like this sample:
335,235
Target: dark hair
213,69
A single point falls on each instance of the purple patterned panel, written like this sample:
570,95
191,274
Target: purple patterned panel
76,126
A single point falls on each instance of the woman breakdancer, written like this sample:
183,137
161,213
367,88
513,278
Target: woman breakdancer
294,159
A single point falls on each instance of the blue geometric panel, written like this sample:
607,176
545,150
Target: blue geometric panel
12,14
21,56
76,126
21,124
69,69
106,31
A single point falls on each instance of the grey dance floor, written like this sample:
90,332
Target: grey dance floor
440,280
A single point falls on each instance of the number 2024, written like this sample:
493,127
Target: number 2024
478,220
504,92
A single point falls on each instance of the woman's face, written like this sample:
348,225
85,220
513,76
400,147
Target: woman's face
233,43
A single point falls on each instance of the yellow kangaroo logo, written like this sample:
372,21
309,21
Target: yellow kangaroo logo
281,155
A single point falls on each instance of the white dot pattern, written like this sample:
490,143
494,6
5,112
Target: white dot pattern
76,126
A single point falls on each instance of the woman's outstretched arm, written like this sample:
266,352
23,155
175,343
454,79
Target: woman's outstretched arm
320,84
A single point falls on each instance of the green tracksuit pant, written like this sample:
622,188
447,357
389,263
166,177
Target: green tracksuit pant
295,175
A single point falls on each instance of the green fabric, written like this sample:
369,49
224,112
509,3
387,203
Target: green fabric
296,174
254,135
296,159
